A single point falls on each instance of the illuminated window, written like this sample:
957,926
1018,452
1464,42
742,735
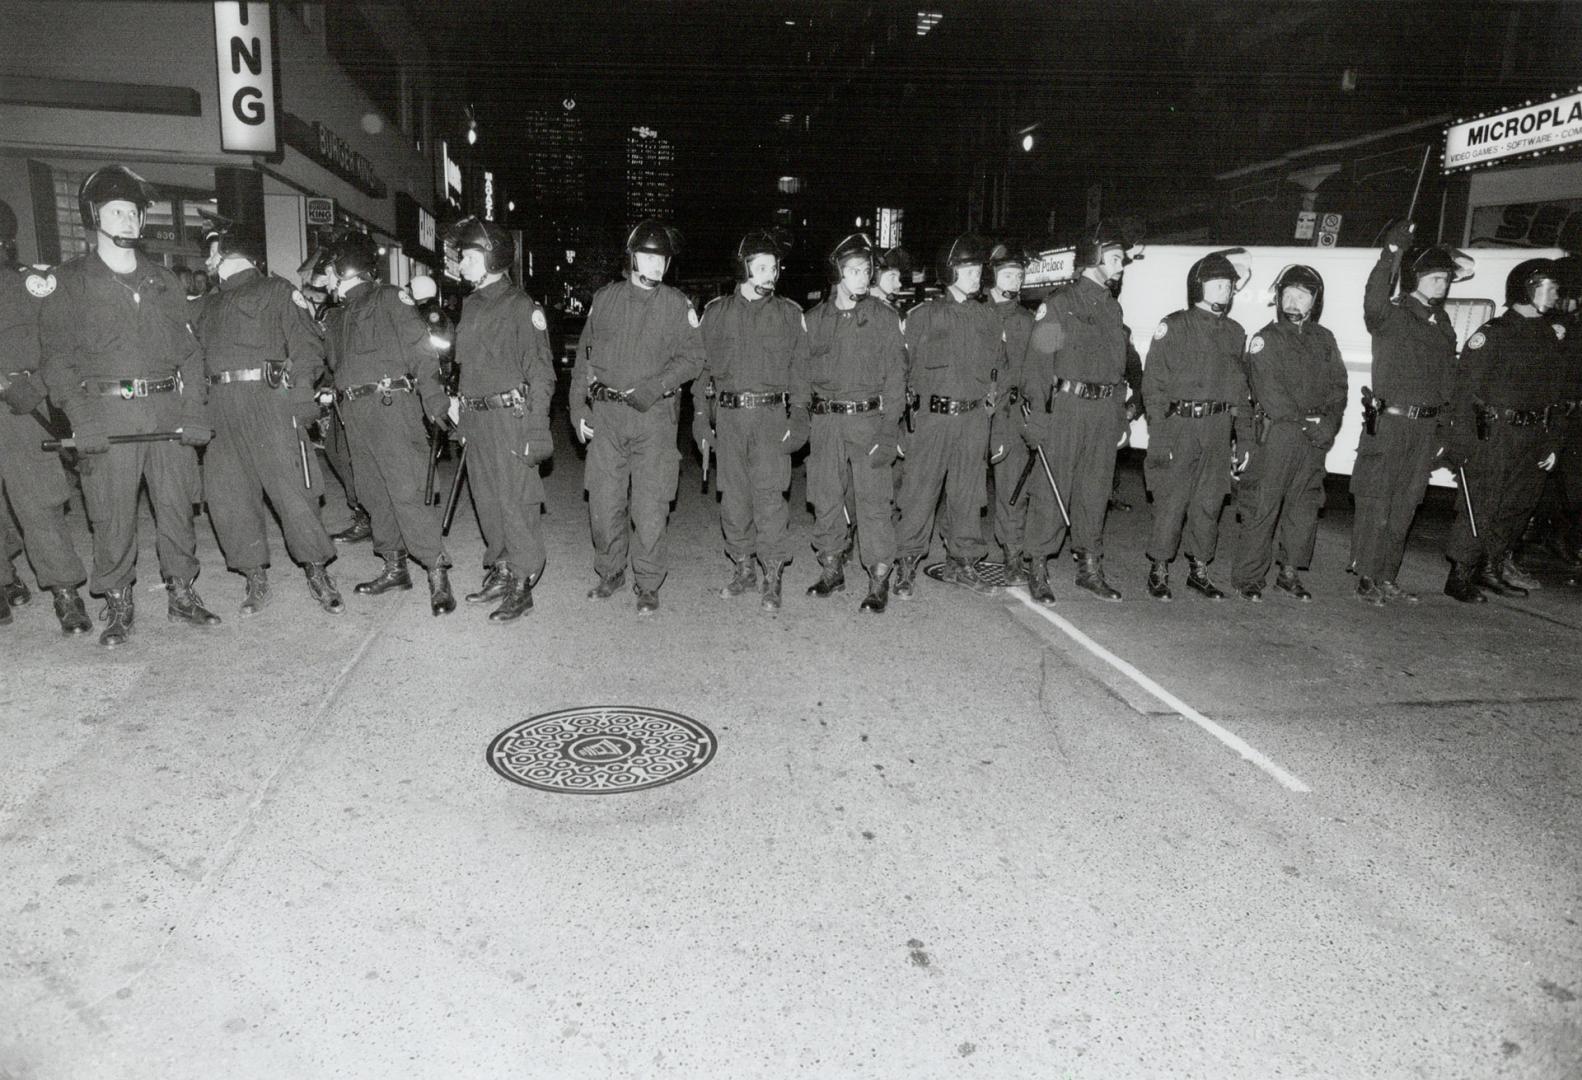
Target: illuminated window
927,20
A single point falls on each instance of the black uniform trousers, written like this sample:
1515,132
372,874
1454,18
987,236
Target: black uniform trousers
1078,437
110,485
1506,483
390,459
255,453
1388,482
754,473
630,476
1188,472
839,456
35,485
506,491
945,454
1279,498
1010,522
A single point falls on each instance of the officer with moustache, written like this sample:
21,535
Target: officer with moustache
1414,357
641,345
507,380
956,352
1298,383
32,481
386,380
1510,378
119,358
1195,391
1007,452
1074,403
754,341
263,355
853,382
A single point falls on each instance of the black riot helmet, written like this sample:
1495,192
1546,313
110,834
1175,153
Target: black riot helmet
114,183
236,239
1091,247
1521,284
496,243
855,246
654,238
355,254
753,244
896,258
1436,259
1001,256
1216,266
1302,277
968,249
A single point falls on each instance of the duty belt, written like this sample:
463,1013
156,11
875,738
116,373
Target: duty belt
1413,412
1087,391
825,405
727,400
601,392
951,406
131,388
1196,410
506,399
383,386
1520,417
251,374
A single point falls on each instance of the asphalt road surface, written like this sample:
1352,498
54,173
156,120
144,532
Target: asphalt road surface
961,839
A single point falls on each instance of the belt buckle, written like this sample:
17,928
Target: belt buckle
385,395
139,388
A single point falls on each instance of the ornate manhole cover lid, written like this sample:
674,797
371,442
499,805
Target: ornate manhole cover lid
601,749
991,572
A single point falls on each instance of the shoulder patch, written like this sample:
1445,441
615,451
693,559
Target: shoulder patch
1161,330
539,322
1256,344
301,301
1043,309
1476,341
692,317
40,284
406,298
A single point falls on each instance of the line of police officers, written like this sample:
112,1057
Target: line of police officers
902,417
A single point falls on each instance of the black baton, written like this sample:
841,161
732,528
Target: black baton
455,491
115,440
1061,503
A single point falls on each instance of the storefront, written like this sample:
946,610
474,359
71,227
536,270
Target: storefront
1523,167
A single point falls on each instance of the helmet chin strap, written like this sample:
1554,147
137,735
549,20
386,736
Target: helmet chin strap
1297,317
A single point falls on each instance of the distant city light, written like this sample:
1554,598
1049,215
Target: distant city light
789,185
1027,142
510,206
927,20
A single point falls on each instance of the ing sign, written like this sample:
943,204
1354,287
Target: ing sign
244,56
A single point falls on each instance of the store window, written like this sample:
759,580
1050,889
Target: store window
172,232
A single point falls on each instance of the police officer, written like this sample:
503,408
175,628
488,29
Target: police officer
1414,356
1195,391
1511,374
1007,264
386,377
31,480
754,340
262,357
120,359
892,270
853,381
955,350
1298,382
641,345
507,380
1074,401
315,275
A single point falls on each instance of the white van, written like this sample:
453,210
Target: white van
1155,285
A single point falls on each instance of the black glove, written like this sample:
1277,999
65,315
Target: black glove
540,445
642,396
306,413
882,456
799,424
1399,236
25,394
194,434
91,442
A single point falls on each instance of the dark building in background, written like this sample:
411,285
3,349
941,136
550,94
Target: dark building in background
650,164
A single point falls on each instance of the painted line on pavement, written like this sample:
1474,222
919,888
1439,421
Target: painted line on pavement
1229,738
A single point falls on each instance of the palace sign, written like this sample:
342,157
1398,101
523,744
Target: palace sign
1529,131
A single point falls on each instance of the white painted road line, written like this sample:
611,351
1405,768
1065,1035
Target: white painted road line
1229,738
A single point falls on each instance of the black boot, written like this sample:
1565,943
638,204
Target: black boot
1487,576
1090,576
117,615
1159,580
394,576
441,601
647,599
608,587
1287,581
187,606
1372,593
959,571
1199,581
496,583
323,589
1038,582
257,597
906,576
832,575
5,609
71,612
878,589
773,572
1509,570
1462,585
1016,572
361,528
17,594
745,579
517,601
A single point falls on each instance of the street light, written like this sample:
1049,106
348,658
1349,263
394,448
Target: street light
1027,142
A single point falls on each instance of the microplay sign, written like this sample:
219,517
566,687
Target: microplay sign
1529,131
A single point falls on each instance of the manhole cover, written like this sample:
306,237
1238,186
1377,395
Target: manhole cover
601,750
991,572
